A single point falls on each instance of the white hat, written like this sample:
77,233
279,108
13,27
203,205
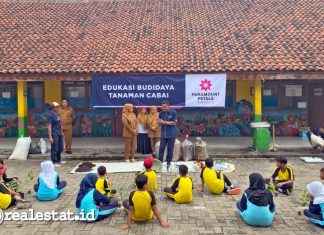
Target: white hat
55,104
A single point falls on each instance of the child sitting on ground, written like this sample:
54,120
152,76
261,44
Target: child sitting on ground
104,185
256,206
141,205
49,186
151,174
91,204
9,198
322,173
316,207
181,189
285,175
3,173
215,180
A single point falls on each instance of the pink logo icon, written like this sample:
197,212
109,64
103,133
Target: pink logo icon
205,85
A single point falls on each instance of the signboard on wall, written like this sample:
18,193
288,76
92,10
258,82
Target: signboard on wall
205,90
146,90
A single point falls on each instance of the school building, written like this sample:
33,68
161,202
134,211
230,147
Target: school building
271,52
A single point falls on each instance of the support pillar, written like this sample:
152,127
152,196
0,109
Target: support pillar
261,133
257,101
22,108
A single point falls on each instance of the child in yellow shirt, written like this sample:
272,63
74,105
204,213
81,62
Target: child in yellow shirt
151,174
141,205
103,185
181,190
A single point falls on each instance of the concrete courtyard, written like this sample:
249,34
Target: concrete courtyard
208,214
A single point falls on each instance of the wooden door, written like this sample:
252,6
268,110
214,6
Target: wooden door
316,104
118,126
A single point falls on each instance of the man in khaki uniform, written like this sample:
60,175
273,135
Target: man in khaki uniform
67,114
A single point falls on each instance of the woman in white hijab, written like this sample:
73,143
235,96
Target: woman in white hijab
49,186
316,207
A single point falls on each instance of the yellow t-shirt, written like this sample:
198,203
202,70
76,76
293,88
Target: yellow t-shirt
288,174
5,197
142,201
214,184
103,186
151,182
183,186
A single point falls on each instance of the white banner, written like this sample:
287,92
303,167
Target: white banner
205,90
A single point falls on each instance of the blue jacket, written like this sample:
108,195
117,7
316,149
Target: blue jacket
168,131
254,215
89,211
46,194
317,209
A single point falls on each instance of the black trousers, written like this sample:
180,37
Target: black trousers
284,187
61,185
126,204
309,214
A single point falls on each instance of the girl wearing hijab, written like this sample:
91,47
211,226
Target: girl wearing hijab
49,186
154,129
129,132
315,211
256,206
91,204
143,142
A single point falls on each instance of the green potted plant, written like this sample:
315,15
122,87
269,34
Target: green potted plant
29,179
303,200
16,186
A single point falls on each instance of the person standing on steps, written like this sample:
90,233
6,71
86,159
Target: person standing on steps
67,114
55,134
130,132
154,129
168,122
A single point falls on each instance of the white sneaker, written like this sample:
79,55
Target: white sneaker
57,165
63,162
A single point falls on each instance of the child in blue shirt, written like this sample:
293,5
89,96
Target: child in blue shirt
315,212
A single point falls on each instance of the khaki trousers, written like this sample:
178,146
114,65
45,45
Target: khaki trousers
130,147
67,131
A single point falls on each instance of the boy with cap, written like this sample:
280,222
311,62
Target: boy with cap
285,175
151,174
181,189
141,205
55,134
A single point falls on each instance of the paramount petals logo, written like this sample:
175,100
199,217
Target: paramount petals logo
205,85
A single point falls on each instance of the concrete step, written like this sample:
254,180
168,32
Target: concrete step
117,153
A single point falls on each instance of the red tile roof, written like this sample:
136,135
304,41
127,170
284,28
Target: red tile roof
162,36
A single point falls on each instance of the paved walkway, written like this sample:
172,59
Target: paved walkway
208,214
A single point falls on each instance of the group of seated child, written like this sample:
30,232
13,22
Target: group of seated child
95,196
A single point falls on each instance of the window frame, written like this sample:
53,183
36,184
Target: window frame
282,92
86,86
16,86
32,84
